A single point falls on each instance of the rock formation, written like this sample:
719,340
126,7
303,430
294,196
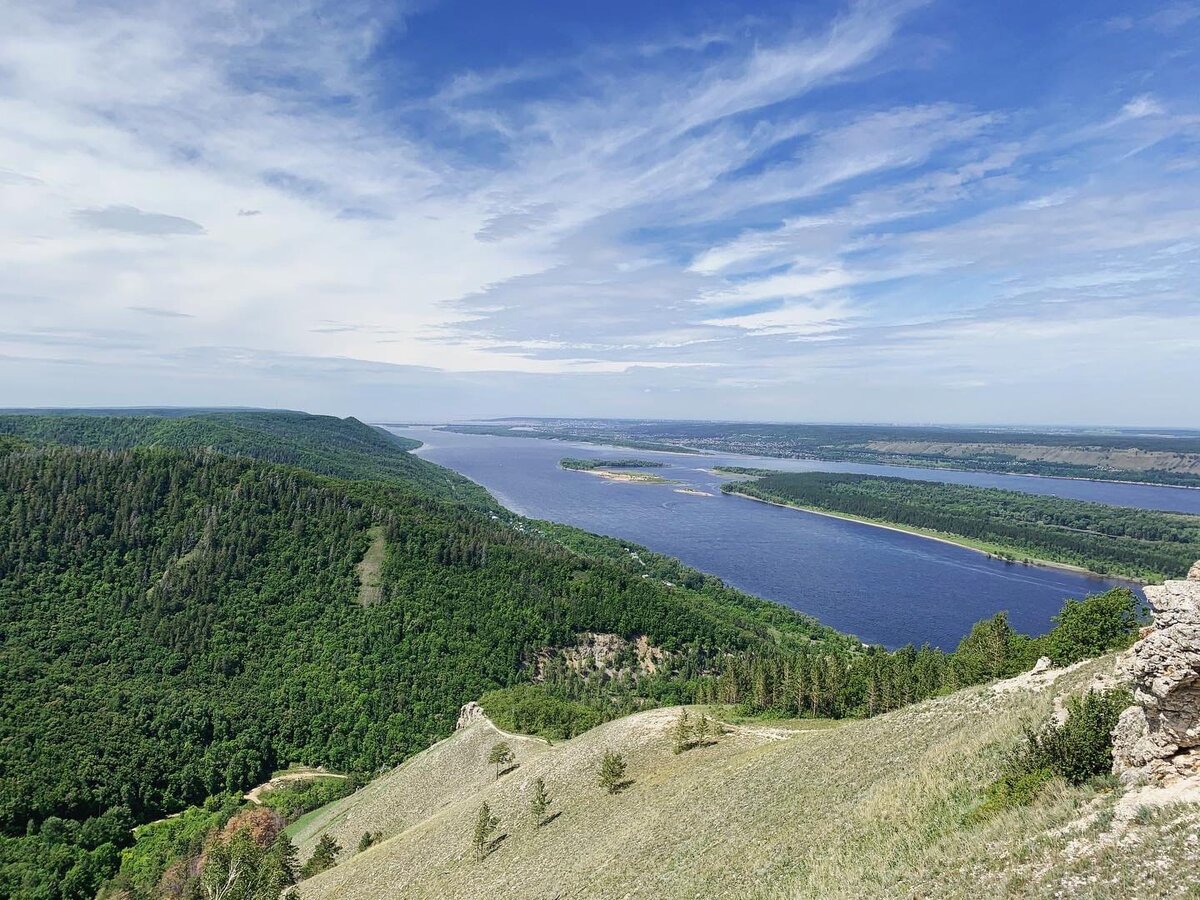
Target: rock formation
469,714
1159,738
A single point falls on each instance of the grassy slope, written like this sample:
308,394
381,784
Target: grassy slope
869,808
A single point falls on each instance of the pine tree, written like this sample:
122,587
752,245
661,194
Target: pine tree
323,857
485,827
702,730
612,771
539,802
501,755
682,733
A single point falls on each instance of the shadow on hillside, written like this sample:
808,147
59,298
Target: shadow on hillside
505,771
550,818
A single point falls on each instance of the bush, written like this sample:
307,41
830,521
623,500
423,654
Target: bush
1093,626
533,709
1079,750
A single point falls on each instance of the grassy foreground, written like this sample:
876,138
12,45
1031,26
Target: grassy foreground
873,808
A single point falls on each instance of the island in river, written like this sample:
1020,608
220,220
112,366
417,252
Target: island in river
616,469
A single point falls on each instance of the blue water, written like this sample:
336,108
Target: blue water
884,586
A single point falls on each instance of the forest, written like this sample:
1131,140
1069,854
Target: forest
586,465
179,619
1136,543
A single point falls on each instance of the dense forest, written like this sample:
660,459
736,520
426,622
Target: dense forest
1105,539
178,620
323,444
586,465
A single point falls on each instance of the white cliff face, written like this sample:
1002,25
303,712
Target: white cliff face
469,714
1159,738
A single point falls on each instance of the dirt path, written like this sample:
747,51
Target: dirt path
304,774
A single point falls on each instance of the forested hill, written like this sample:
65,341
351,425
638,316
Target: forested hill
323,444
179,622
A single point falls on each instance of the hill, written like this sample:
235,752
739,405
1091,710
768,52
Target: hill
874,808
180,614
346,448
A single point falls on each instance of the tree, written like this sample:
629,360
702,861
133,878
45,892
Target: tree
539,802
368,840
682,733
702,730
612,771
323,857
485,827
500,755
237,867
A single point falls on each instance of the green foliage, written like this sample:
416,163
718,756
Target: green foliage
294,798
539,802
369,840
179,623
324,856
237,867
534,709
1092,626
1081,747
586,465
345,448
485,826
612,772
993,649
500,755
1134,542
1078,750
681,734
160,843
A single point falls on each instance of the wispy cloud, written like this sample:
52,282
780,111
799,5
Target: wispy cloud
735,205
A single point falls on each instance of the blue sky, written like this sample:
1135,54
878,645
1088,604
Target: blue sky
865,211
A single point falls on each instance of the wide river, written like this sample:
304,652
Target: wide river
884,586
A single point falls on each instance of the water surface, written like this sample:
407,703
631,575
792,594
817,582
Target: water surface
885,586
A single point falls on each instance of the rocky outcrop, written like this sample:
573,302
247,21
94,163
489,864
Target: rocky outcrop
1158,739
469,714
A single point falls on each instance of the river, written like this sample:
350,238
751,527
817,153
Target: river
887,587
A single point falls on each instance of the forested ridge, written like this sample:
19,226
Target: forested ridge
1105,539
176,622
322,444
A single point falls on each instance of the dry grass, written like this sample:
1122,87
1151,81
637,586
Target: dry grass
369,582
867,809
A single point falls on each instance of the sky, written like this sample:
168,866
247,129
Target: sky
410,211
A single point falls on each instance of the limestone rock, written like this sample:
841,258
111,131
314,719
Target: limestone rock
1159,738
469,714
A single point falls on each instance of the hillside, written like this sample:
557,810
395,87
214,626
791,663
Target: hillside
874,808
323,444
177,623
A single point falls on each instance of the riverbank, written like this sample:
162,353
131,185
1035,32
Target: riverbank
626,477
995,551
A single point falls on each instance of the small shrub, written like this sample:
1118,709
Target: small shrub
612,771
1079,751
